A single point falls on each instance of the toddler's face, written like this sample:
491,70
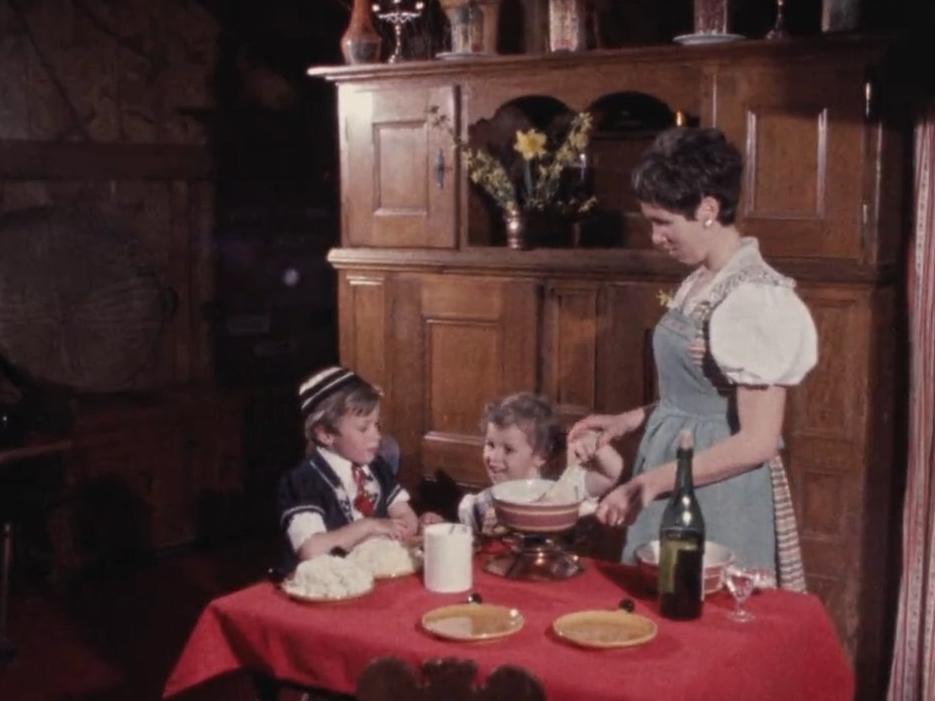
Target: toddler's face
508,454
358,437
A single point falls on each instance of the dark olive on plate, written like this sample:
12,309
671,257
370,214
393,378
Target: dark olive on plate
627,605
475,598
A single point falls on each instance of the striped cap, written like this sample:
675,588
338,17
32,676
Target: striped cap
322,385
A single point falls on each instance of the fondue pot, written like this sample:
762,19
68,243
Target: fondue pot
520,507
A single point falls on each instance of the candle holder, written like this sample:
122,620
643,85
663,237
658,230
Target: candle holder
398,17
779,26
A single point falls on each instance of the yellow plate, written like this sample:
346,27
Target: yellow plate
398,573
298,596
604,628
469,622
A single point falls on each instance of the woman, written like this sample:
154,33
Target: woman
735,335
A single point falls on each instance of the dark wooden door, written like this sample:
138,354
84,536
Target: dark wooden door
802,133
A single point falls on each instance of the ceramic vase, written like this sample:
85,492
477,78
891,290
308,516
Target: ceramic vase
474,25
361,41
567,25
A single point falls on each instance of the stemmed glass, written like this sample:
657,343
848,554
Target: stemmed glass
779,26
398,17
741,581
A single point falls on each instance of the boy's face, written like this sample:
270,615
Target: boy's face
508,454
356,438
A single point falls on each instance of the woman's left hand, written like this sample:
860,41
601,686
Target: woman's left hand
622,505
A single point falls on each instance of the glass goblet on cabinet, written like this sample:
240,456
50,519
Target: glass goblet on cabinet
712,16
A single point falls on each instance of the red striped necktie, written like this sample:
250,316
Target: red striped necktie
364,502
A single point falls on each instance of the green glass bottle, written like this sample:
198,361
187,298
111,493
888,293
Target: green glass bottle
681,543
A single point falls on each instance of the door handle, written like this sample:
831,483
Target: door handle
440,169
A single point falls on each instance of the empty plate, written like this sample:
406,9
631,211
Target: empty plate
604,629
469,622
698,39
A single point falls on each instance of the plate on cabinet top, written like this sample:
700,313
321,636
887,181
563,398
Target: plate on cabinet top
462,55
699,39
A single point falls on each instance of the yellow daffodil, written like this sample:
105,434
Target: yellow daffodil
530,144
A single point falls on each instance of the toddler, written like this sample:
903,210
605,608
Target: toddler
522,435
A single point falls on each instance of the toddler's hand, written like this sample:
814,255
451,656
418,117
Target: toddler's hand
583,448
428,518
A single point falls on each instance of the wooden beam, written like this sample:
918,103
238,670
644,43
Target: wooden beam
38,160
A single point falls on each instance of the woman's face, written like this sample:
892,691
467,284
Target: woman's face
685,240
508,454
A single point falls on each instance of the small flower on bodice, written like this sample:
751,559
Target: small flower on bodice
665,298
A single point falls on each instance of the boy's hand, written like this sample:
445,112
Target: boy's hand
387,527
404,529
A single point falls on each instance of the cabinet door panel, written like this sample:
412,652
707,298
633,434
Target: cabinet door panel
398,182
802,133
825,455
629,313
570,346
479,341
362,304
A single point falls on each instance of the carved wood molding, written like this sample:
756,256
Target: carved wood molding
584,263
794,50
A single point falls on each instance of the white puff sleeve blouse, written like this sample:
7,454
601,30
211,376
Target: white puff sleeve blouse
763,334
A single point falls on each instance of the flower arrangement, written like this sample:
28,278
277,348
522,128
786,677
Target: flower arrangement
539,185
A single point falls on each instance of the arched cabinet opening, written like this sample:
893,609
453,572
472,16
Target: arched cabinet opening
498,136
623,126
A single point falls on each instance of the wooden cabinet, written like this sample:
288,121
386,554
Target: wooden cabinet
445,319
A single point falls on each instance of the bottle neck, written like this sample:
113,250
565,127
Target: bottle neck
683,474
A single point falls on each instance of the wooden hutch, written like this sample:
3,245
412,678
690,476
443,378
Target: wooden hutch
441,314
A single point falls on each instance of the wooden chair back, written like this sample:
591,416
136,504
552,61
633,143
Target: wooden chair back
445,679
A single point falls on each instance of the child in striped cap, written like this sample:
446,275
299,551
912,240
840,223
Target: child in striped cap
343,492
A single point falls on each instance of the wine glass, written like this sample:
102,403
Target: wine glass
740,582
779,26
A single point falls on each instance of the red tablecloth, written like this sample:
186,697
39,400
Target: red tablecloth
789,652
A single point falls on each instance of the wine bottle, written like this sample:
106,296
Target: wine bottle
681,543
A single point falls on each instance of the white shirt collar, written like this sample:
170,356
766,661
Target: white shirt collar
747,252
338,463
